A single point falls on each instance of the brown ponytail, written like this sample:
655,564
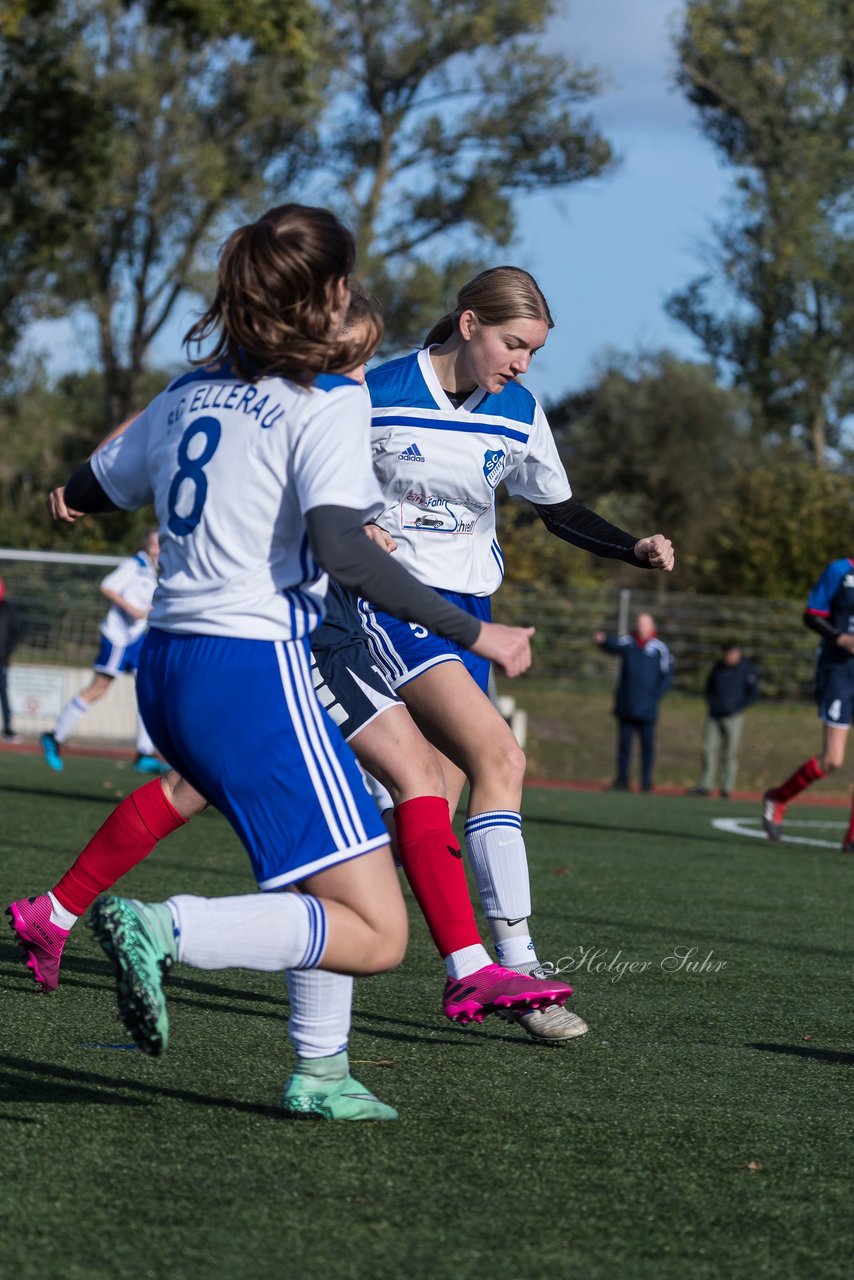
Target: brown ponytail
273,309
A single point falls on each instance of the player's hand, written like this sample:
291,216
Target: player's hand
599,637
658,550
383,540
508,647
846,642
57,509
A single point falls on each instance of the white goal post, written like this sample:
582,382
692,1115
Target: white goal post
60,606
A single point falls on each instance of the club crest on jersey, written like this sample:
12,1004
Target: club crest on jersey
412,454
493,466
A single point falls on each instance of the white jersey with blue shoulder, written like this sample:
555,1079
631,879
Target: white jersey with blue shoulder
232,467
135,580
439,467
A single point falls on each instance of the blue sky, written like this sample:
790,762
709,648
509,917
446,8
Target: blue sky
607,253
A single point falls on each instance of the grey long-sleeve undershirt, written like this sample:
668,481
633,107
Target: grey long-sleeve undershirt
340,544
341,547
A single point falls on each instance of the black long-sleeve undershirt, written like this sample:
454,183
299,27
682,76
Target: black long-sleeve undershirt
84,492
823,626
577,524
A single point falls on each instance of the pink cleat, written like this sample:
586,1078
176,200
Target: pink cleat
493,989
41,939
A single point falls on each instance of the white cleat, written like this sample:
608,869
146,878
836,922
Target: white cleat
552,1025
772,816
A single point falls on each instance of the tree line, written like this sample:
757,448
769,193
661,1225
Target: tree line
133,133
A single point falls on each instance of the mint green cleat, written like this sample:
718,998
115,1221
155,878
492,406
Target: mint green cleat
323,1089
138,940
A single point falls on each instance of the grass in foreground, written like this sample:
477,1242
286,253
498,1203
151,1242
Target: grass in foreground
701,1129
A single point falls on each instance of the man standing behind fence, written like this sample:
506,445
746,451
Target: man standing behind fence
129,589
10,634
646,673
731,688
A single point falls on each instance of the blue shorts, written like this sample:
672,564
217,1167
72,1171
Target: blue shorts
114,659
240,720
834,688
403,650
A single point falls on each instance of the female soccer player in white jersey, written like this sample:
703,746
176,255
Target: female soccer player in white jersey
258,466
380,731
448,424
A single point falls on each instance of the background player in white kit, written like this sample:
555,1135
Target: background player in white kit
449,423
259,468
130,589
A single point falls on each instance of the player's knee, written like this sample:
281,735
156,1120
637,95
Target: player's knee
501,760
833,760
514,762
390,946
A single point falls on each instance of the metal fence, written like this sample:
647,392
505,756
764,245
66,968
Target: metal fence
62,609
694,626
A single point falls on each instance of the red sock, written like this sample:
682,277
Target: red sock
850,836
129,834
429,853
802,778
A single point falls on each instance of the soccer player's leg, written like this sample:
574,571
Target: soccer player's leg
106,667
144,817
243,720
835,696
320,1085
393,752
461,721
391,748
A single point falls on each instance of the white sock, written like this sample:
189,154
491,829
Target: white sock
497,854
144,745
321,1004
467,960
514,946
58,914
268,931
68,717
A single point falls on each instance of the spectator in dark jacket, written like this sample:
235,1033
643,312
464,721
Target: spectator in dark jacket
646,673
731,688
10,634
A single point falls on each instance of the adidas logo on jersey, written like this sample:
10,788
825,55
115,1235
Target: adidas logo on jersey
412,454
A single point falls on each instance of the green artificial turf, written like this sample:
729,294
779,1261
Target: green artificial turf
701,1129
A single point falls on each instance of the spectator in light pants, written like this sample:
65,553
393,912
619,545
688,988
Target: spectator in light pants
731,688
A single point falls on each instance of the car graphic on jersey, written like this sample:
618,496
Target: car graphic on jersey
431,513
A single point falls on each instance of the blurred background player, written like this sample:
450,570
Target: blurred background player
450,423
130,589
646,673
732,687
830,613
10,634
